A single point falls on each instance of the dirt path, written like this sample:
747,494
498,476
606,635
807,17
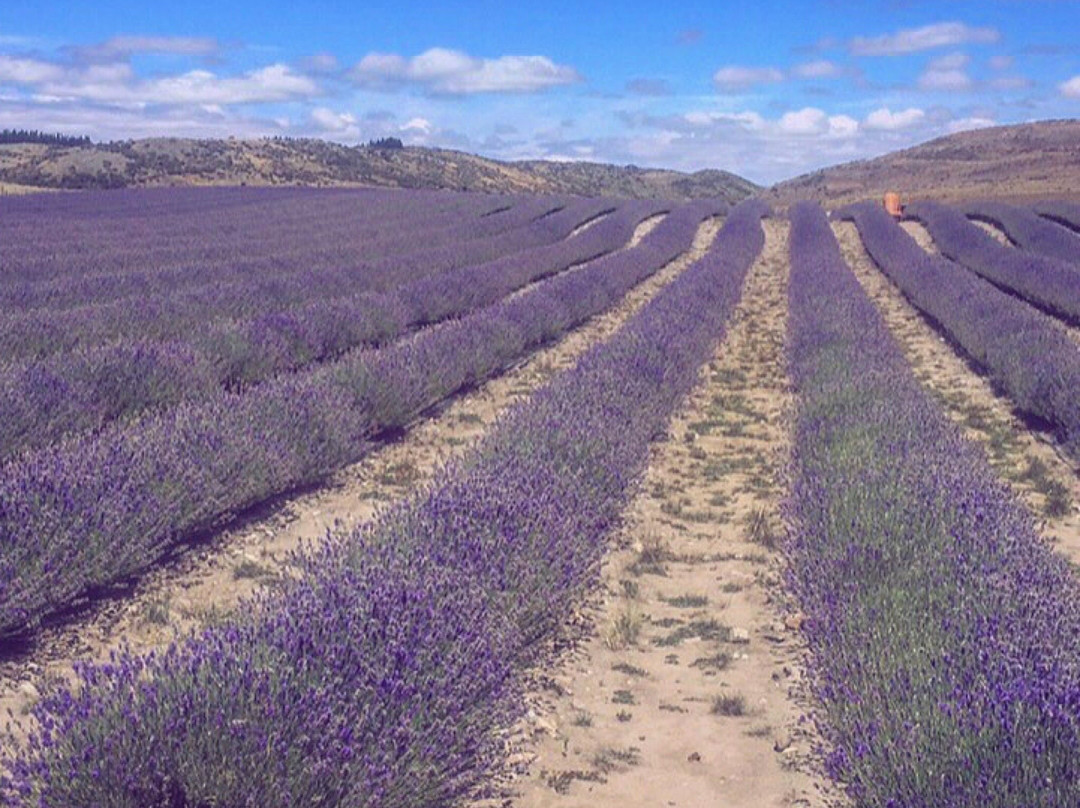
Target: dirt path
993,231
206,583
679,694
922,236
1045,480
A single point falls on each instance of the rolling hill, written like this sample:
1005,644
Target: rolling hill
170,161
1025,161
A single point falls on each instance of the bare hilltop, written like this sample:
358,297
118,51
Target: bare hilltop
1024,161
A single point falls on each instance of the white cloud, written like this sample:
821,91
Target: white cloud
733,77
886,120
116,84
420,125
818,69
910,40
843,126
947,73
1001,62
806,121
442,70
1070,88
966,124
27,71
745,120
341,124
945,80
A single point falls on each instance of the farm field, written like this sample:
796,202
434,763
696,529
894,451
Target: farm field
396,497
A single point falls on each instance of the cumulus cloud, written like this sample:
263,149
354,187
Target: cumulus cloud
806,121
441,70
813,121
733,77
27,71
947,73
817,69
340,124
116,83
417,125
910,40
276,82
886,120
1070,88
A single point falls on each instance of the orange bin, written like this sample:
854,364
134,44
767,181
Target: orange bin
892,204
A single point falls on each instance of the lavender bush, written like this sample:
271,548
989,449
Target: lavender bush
1060,211
251,294
87,512
1048,283
944,634
1028,230
380,676
1025,353
165,239
68,393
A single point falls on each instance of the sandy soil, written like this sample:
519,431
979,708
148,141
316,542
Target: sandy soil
993,231
12,188
1045,480
680,691
921,235
205,583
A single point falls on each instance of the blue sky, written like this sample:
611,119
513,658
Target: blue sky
767,90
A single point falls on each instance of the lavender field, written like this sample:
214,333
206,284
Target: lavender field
177,364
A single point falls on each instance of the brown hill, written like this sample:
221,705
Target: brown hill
171,161
1026,161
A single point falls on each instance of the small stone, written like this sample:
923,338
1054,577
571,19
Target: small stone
740,636
794,621
694,757
782,742
28,690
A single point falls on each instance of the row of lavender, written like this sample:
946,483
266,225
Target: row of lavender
230,249
86,512
151,232
1026,353
381,676
1028,230
944,633
1064,213
68,393
243,294
1049,283
332,260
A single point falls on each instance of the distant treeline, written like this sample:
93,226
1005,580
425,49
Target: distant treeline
48,138
386,143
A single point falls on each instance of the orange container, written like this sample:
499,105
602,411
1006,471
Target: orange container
892,204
